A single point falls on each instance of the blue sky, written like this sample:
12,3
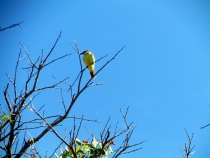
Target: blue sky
162,74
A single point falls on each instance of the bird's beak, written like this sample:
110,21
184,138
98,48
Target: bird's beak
82,53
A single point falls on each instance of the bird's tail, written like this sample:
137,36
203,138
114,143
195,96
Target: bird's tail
92,74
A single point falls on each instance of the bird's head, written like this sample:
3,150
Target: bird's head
86,51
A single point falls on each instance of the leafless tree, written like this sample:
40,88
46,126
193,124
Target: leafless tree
187,150
13,125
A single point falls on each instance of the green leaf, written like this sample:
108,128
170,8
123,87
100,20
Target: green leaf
4,117
64,155
100,145
78,142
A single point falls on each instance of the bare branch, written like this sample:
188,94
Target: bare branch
56,59
14,25
50,127
97,84
109,60
6,99
52,49
15,80
53,86
30,61
187,150
9,78
79,127
205,126
56,149
64,106
101,134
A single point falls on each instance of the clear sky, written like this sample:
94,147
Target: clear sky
163,74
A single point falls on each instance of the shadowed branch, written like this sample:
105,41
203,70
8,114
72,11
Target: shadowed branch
14,25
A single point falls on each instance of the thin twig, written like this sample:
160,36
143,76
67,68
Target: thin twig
14,25
56,149
56,59
187,150
205,126
52,49
50,127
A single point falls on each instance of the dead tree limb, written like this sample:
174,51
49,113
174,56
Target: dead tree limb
14,25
